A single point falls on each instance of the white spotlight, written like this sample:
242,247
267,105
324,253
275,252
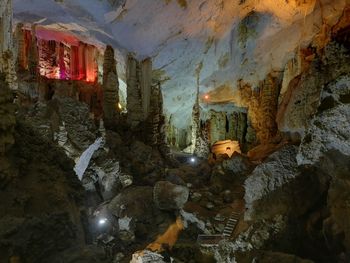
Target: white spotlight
102,221
193,160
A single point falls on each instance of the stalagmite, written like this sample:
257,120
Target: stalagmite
145,80
7,78
7,60
133,92
21,48
139,77
153,121
110,86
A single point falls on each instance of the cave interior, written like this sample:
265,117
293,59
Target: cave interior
175,131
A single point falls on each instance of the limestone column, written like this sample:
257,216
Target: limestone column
7,78
134,103
110,86
145,81
7,60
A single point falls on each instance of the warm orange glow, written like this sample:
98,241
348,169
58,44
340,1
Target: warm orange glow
206,97
169,237
225,147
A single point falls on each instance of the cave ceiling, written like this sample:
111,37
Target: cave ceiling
231,39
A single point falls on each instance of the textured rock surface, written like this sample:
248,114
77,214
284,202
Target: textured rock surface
41,205
254,238
262,105
7,116
302,98
326,148
168,196
237,164
65,121
278,170
329,130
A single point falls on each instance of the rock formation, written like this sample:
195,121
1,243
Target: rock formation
7,116
301,99
262,107
32,228
110,86
326,148
168,196
154,121
21,47
7,60
139,77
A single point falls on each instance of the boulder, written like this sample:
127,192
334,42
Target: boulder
134,201
238,164
265,193
169,196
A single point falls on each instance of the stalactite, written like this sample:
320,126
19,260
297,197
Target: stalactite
110,86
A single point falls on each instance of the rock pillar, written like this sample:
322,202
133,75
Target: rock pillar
110,86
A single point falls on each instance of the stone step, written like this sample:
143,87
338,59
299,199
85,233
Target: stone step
231,224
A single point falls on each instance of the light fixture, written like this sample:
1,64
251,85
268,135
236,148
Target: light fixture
120,106
102,221
192,160
206,96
